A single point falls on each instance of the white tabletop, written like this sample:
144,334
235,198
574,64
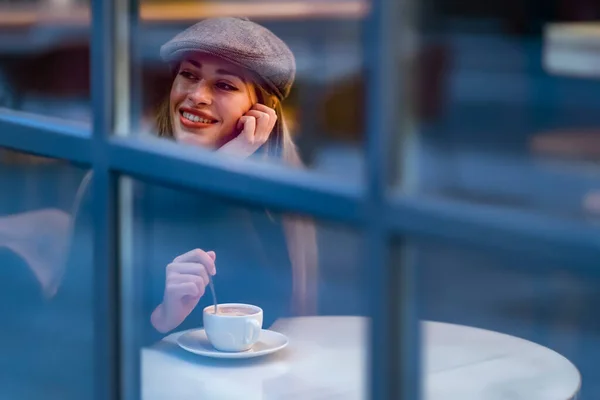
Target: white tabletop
326,360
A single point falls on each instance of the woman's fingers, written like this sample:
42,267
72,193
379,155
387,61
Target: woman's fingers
248,126
263,126
265,109
200,281
265,122
179,290
198,256
188,268
255,128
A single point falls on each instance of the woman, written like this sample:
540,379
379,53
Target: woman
230,76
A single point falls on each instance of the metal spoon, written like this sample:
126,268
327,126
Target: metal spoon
212,289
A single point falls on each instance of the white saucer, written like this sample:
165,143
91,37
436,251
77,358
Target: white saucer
195,341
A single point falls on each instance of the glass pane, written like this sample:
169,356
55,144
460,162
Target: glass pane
500,125
546,313
46,279
323,113
44,57
306,277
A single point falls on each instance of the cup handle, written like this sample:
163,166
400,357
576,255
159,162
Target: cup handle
252,331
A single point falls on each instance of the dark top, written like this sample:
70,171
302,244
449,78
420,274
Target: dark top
252,261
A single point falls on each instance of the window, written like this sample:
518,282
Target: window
363,124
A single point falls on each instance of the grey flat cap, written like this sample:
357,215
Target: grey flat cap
240,42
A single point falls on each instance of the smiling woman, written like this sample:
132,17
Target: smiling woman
207,100
230,76
235,74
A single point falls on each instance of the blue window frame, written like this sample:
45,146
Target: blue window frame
381,217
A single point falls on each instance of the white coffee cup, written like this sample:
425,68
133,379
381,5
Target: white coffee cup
235,327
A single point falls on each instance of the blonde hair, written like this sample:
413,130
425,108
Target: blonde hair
300,232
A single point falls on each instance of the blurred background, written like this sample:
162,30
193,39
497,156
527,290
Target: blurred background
504,109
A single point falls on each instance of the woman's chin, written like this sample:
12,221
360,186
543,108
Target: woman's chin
194,139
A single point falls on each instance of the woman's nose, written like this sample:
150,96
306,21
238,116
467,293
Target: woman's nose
201,93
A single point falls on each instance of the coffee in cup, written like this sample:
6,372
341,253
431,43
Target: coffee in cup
234,327
236,311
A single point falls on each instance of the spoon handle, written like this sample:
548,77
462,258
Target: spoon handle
212,289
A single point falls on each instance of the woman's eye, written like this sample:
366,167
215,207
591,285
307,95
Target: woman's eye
226,86
187,75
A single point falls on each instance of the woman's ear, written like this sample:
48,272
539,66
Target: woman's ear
273,101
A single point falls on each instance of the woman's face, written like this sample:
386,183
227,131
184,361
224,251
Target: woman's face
207,99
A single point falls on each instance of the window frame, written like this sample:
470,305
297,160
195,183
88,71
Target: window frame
382,215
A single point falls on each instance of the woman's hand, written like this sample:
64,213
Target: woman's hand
256,127
186,280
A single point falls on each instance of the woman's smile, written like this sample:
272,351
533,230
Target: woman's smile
194,119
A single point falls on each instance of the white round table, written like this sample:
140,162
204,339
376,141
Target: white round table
326,359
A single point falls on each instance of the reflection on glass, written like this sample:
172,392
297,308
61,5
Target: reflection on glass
45,266
304,66
500,129
545,312
256,257
44,60
567,45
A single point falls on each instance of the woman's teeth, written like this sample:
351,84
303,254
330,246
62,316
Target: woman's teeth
195,118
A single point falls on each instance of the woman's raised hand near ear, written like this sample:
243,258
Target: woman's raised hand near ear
185,283
256,127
